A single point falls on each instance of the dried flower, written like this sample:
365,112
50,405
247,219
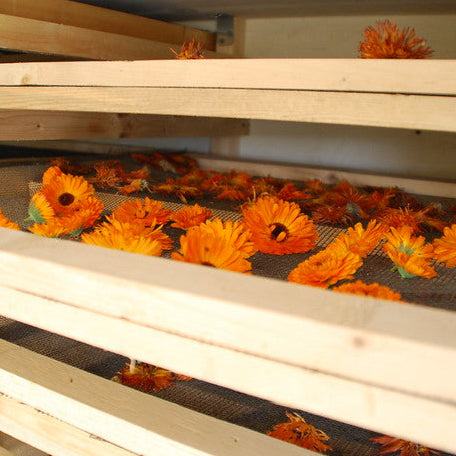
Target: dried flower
401,447
445,247
191,50
397,218
300,433
136,185
190,216
410,254
373,289
386,41
290,192
144,211
40,211
279,227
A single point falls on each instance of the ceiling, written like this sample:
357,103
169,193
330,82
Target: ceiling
208,9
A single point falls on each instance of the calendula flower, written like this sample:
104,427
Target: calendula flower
52,229
279,227
445,247
386,40
290,192
397,218
362,241
410,255
145,377
143,211
136,185
373,289
326,268
84,216
40,211
392,445
123,236
300,433
106,176
65,192
5,222
205,248
51,174
231,194
190,216
191,50
233,233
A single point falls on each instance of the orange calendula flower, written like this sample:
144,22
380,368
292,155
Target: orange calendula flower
191,50
206,248
5,222
136,185
52,229
279,227
392,445
445,247
40,211
83,217
373,289
397,218
231,194
361,241
190,216
298,432
386,40
326,268
410,254
145,377
65,192
290,192
144,211
123,236
50,174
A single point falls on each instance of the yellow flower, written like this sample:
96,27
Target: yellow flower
5,222
142,211
51,229
40,211
445,247
190,216
373,289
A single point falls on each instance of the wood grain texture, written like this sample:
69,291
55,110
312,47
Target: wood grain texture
132,420
104,20
386,76
381,110
42,125
361,339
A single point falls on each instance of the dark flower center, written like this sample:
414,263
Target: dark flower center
65,199
279,232
206,263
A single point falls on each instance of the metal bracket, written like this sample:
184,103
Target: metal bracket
225,30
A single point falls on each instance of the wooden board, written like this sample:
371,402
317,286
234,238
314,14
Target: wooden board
137,422
381,110
42,125
91,17
361,339
386,76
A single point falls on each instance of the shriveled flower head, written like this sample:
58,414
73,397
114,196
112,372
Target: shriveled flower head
5,222
40,211
362,241
191,50
279,227
51,229
201,246
326,268
392,445
385,40
392,217
410,255
123,236
300,433
445,247
190,216
373,289
144,211
145,377
66,192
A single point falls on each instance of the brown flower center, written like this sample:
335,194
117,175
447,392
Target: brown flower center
206,263
65,199
279,232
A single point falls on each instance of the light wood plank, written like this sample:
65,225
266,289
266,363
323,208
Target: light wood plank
359,75
140,423
361,339
385,411
65,40
381,110
50,434
42,125
330,176
104,20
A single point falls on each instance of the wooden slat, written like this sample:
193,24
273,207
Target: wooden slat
49,434
140,423
104,20
381,110
359,75
42,125
65,40
362,339
330,176
411,417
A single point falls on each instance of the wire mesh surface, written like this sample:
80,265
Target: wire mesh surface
20,180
